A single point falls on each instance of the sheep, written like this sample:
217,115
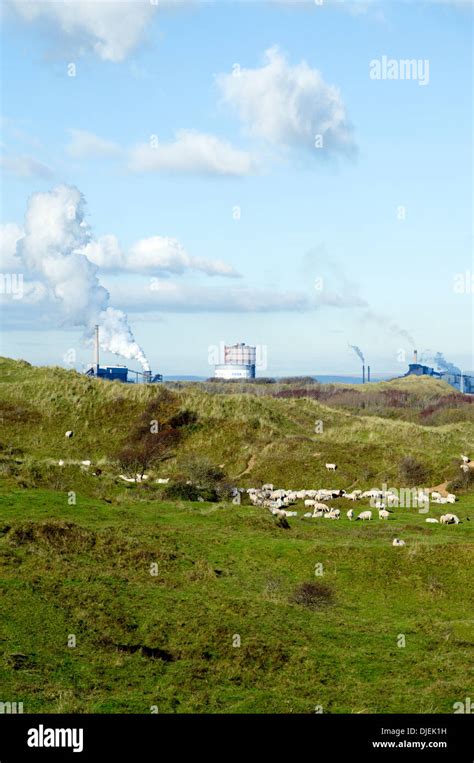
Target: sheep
85,463
350,514
384,514
466,459
352,496
364,515
267,487
309,502
318,514
435,495
398,542
69,434
451,498
321,507
432,520
291,513
449,519
331,467
333,514
162,481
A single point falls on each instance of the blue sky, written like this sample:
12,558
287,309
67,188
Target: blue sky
305,213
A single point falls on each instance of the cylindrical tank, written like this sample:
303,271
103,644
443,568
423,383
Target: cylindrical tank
240,355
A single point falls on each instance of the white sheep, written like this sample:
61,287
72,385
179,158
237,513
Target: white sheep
449,519
451,498
432,520
309,502
364,515
333,514
331,467
384,514
69,434
466,459
398,542
85,463
350,514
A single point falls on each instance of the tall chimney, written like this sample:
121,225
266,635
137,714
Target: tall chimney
363,374
96,350
368,373
415,356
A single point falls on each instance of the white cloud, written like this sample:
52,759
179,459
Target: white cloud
165,296
85,144
10,234
192,152
287,105
155,255
111,29
25,167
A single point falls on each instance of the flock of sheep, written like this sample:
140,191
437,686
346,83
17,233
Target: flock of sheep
278,501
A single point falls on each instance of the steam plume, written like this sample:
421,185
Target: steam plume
358,352
55,231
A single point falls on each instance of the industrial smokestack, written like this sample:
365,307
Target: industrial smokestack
368,373
96,346
415,356
363,374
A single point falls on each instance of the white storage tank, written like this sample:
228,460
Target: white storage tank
239,362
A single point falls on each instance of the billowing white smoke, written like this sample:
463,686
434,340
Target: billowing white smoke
116,336
55,229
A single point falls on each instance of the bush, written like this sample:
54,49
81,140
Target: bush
181,491
412,472
312,595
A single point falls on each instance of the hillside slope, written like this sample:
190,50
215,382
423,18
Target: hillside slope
257,437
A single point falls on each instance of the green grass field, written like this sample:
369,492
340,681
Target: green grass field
216,629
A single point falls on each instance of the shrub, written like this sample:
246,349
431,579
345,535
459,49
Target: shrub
312,595
181,490
412,472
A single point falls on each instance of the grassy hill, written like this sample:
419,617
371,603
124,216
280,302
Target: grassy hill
170,640
255,434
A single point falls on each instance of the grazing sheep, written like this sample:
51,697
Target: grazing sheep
69,434
267,487
352,496
364,515
333,514
449,519
331,467
398,542
350,514
321,507
451,498
384,514
432,520
309,502
435,495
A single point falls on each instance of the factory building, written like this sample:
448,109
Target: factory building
118,372
239,362
459,381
